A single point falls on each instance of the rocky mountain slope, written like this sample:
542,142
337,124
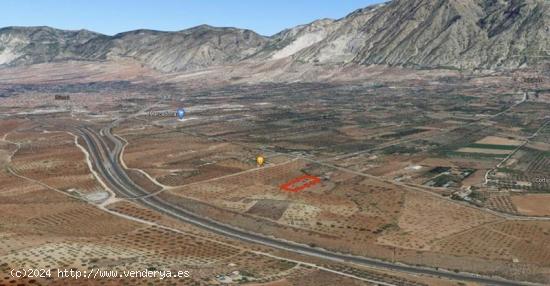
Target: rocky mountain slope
458,34
28,45
194,48
290,41
440,33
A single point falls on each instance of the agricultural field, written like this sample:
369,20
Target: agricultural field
519,241
526,170
376,177
425,219
173,158
54,159
532,204
55,229
339,205
206,164
500,201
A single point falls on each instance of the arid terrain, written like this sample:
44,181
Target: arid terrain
429,180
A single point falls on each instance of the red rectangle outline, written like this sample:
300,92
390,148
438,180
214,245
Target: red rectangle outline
288,186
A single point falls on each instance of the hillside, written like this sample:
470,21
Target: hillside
466,34
456,34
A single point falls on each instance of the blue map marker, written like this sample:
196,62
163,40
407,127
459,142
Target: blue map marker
180,113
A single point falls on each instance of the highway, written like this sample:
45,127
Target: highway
107,164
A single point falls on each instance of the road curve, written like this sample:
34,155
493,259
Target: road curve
108,166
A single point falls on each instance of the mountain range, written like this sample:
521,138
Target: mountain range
451,34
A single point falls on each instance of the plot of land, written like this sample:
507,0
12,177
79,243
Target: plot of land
484,151
54,159
426,219
175,159
494,140
300,183
521,240
532,204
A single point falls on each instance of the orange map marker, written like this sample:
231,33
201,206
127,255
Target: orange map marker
260,160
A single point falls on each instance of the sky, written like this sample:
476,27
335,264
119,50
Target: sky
115,16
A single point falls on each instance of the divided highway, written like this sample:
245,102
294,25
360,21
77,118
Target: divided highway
107,164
